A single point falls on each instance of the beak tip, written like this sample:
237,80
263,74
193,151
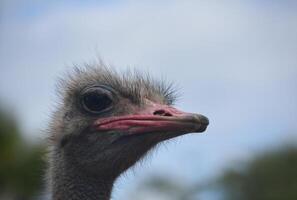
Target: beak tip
202,121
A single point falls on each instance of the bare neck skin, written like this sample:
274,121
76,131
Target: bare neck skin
72,183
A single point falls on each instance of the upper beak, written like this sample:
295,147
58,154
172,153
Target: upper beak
155,118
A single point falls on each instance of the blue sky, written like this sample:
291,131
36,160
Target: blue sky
235,62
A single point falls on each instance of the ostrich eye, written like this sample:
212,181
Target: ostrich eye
96,100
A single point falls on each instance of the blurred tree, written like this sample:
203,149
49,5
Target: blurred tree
271,176
162,188
21,164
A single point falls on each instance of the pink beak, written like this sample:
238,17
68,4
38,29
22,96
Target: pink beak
156,118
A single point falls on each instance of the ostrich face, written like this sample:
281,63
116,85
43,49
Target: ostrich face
107,122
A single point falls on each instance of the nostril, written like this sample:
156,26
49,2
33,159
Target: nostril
159,112
162,113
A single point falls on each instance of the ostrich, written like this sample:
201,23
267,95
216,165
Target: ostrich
105,123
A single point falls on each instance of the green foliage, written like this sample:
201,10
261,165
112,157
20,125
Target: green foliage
272,176
269,176
21,164
161,187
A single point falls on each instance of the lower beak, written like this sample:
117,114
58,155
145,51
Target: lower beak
174,121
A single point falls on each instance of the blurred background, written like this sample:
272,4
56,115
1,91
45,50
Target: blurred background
234,61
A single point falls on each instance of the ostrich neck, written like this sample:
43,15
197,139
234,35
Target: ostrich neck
68,182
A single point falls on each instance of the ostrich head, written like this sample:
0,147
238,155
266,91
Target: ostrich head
106,121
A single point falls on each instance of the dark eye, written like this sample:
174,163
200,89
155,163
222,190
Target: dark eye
96,100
